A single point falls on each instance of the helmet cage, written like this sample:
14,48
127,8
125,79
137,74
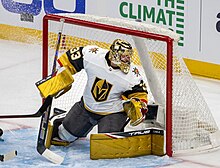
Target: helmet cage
118,49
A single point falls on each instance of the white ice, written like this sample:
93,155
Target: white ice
20,68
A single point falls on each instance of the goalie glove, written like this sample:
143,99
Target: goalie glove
55,85
136,110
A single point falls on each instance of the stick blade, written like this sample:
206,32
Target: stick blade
53,157
8,156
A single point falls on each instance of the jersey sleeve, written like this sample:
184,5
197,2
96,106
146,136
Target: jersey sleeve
137,91
72,59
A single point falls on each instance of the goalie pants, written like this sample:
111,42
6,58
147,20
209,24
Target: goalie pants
79,121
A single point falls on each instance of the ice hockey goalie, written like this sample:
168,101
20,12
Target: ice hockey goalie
115,91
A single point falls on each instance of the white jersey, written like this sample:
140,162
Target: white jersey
105,84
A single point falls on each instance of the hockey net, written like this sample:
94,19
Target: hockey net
189,123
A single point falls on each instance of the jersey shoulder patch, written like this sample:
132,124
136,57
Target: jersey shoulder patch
135,71
134,75
91,49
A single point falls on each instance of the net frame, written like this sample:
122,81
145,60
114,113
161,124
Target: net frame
165,36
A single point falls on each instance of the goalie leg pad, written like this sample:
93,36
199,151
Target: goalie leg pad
157,142
110,146
127,144
52,137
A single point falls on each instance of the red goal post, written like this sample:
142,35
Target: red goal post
156,50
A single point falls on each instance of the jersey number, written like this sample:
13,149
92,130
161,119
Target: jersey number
75,53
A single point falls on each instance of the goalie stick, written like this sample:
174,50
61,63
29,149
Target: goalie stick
8,156
39,113
45,152
53,157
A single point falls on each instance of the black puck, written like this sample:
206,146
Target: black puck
1,132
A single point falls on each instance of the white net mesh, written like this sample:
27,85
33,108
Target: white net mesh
193,127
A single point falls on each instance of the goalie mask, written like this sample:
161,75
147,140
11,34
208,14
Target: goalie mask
120,54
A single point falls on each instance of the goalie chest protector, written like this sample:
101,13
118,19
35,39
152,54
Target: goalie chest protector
105,85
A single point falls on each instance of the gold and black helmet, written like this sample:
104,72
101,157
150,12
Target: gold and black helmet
118,49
